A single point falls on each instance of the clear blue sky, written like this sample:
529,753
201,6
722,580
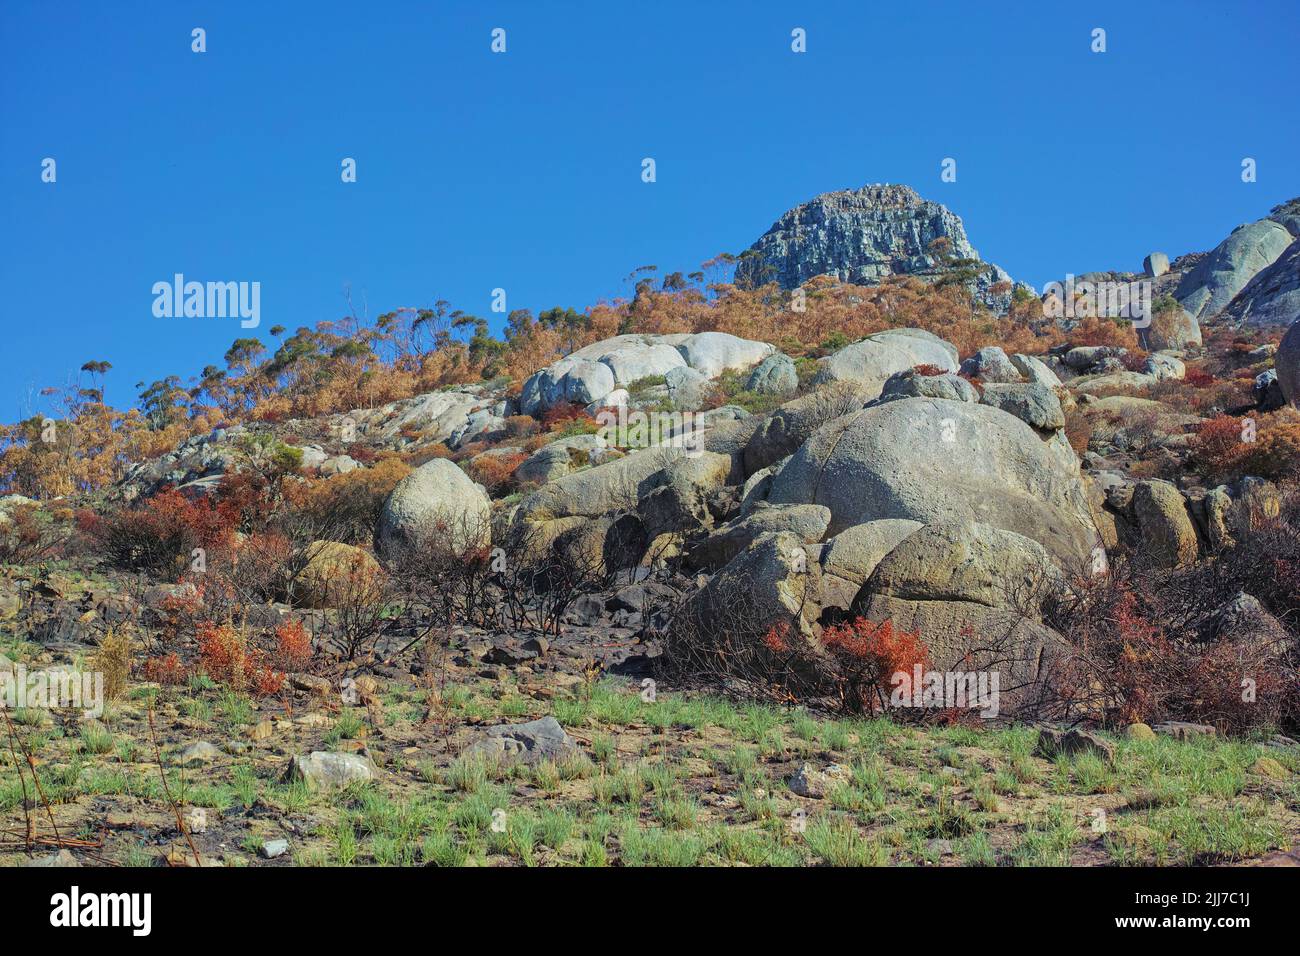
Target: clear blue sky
522,170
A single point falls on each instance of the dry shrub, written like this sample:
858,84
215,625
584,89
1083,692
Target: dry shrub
1078,429
1095,330
345,507
113,660
1221,451
226,656
32,535
1141,646
160,535
496,473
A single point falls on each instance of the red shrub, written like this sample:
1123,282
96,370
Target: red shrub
293,650
928,370
160,535
166,670
226,657
867,656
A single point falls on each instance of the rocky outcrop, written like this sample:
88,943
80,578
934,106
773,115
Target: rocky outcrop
808,522
931,460
1215,280
1272,296
772,583
865,235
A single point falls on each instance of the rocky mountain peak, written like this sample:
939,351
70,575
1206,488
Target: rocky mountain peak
863,236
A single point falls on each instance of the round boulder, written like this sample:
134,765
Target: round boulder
435,505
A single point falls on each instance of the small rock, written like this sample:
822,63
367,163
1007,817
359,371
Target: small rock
309,682
262,731
1070,743
1140,731
196,821
536,740
1268,767
812,783
273,848
1181,730
322,770
196,754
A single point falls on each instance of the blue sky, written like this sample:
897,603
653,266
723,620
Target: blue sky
522,170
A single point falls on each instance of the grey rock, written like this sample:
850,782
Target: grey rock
1035,370
863,236
929,460
870,362
775,375
687,388
990,364
529,743
1054,743
197,754
275,848
437,504
326,770
808,522
1215,280
1036,405
1272,296
1156,264
913,384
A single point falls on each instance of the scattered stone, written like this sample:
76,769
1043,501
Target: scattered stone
263,731
813,783
1140,731
534,741
323,770
1182,730
1053,743
274,848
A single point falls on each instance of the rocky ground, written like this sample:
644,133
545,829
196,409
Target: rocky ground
420,776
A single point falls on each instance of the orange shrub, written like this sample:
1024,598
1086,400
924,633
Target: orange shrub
293,650
496,473
867,656
226,657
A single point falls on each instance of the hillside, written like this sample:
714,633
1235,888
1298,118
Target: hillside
869,556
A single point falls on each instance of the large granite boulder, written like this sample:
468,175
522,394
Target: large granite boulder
874,359
1272,296
435,505
1213,282
775,375
990,364
931,460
